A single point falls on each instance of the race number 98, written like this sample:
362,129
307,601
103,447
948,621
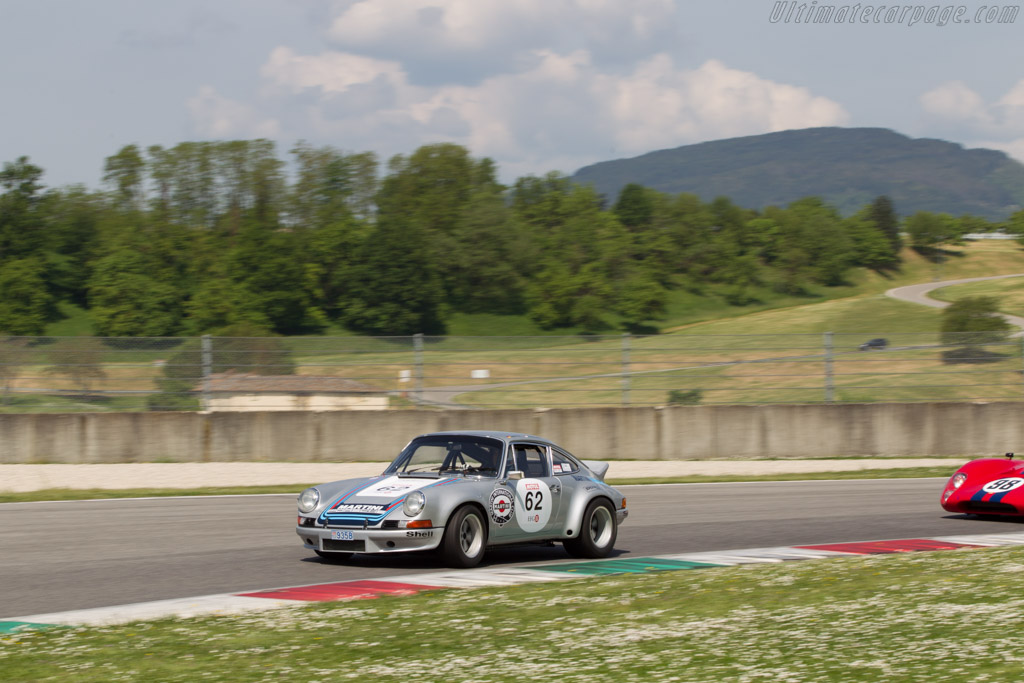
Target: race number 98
1003,485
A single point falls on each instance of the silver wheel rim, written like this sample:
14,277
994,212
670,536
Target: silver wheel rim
471,536
601,526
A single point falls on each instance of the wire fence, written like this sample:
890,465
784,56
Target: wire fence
50,374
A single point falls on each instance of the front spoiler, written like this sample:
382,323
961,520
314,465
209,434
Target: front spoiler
373,540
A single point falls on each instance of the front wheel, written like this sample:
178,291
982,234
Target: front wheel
598,530
465,538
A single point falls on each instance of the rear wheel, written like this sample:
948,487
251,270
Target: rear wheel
333,558
465,539
598,530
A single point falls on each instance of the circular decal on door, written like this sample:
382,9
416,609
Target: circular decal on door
533,504
502,506
1003,485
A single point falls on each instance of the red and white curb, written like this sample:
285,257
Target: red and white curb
290,596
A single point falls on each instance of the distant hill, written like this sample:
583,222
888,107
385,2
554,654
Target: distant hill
848,167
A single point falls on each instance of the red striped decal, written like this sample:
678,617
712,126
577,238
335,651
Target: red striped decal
881,547
344,590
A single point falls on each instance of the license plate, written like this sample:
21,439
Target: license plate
342,536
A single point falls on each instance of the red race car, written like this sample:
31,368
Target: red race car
989,486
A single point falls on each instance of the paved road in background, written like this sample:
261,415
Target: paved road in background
74,555
918,294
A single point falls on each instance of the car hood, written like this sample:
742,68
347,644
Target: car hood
371,500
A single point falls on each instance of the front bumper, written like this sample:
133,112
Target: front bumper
621,514
360,540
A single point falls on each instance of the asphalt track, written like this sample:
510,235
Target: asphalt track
76,555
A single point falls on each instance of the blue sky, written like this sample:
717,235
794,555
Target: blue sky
538,85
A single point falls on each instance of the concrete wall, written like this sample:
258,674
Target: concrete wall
677,433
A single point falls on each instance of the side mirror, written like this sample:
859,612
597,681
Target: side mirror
515,475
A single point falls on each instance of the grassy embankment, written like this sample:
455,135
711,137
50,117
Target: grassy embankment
940,616
681,358
903,373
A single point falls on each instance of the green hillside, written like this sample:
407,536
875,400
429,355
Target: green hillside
847,167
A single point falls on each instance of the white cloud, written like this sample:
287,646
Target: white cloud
216,116
563,109
954,101
330,72
955,108
471,39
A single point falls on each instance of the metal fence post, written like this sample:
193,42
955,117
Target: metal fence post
625,368
207,346
417,348
830,389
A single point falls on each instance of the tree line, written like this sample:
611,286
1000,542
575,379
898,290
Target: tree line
208,237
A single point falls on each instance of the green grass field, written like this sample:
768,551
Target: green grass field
929,617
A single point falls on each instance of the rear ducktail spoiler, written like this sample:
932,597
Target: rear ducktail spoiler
597,467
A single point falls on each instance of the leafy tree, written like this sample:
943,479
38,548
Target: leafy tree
634,208
126,301
330,184
871,248
268,265
489,264
928,230
396,288
125,172
640,298
220,302
1015,225
974,321
21,229
883,215
72,218
26,303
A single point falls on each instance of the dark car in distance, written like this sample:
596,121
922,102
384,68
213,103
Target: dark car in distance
871,344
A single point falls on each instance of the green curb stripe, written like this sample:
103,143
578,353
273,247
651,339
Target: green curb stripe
639,565
15,626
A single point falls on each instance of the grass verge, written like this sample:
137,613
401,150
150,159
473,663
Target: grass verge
940,616
102,494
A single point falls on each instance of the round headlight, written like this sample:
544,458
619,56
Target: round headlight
958,480
308,500
413,504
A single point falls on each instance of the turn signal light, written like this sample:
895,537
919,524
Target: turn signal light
623,503
419,524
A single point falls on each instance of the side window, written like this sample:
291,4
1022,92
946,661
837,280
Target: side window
531,460
562,463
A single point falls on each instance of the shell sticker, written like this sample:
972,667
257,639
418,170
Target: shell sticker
533,504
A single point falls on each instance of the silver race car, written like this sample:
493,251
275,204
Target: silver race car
461,492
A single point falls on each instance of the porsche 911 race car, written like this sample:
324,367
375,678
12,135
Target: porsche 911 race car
461,492
989,486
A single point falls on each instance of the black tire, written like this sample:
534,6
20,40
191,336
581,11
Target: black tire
598,531
465,538
333,558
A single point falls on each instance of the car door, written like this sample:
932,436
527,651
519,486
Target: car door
536,497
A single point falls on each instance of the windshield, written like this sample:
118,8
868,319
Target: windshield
449,454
